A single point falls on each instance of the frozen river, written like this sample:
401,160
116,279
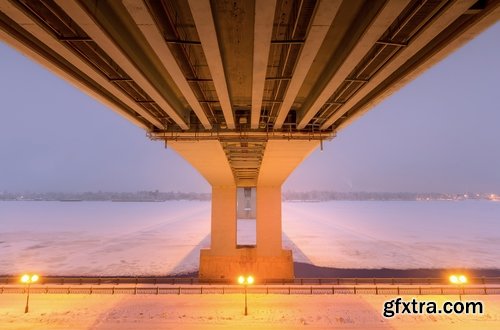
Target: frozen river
106,238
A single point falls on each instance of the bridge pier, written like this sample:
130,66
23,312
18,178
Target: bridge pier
225,259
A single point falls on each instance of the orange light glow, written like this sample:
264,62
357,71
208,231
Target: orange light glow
458,279
25,278
246,280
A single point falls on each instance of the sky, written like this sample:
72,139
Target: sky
440,133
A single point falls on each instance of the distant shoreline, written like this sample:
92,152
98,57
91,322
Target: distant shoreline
287,196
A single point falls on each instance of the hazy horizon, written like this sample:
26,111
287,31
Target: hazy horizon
437,134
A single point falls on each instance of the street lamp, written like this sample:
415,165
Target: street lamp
246,281
459,280
28,279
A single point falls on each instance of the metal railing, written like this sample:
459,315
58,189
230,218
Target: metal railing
258,289
81,280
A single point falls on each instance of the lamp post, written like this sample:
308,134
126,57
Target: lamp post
459,280
245,281
28,279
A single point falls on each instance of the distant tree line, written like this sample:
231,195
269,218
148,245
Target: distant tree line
315,195
140,196
376,196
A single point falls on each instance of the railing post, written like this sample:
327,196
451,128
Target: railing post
157,290
354,289
113,290
376,290
398,290
419,290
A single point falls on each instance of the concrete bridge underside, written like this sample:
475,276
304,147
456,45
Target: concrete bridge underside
244,90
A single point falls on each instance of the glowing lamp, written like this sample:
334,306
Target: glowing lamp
25,278
459,280
249,280
28,279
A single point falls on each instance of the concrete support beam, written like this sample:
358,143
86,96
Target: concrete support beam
386,16
438,24
281,157
142,17
325,13
269,241
223,227
208,158
67,65
204,21
89,24
263,29
487,19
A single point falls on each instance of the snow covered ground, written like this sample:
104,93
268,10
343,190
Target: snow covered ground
105,238
226,312
401,235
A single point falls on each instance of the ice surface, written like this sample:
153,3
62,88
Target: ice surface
105,238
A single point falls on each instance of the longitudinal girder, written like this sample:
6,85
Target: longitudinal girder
279,69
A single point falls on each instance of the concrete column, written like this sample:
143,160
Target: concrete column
223,228
269,221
